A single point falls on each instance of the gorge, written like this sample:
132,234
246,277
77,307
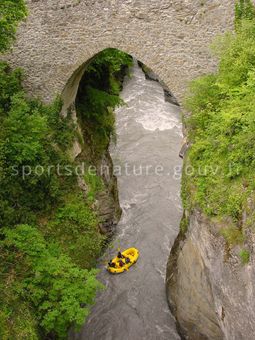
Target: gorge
82,103
149,135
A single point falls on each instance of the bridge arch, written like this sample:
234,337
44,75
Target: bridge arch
171,37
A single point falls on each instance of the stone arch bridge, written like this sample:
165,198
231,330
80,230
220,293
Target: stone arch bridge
171,37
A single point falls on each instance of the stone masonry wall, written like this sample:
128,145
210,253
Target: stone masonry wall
172,37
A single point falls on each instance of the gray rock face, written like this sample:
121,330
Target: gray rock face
211,293
109,210
170,37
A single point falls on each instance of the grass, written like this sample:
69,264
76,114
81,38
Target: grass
95,185
232,235
245,256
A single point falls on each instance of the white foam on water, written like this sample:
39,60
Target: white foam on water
153,114
157,120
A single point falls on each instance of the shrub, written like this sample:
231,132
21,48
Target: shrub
75,228
245,256
60,291
29,137
16,325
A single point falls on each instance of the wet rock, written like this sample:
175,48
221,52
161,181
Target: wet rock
109,210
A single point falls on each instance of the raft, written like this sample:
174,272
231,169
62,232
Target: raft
131,253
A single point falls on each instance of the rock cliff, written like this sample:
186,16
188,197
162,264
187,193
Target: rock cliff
210,291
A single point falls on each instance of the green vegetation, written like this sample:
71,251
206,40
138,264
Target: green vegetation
244,10
75,229
17,320
184,224
98,94
219,170
49,229
29,137
59,291
95,185
232,235
12,11
245,256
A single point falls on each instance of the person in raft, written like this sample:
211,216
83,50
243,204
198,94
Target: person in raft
121,263
127,260
111,264
120,256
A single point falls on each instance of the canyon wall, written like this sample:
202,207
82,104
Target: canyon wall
210,291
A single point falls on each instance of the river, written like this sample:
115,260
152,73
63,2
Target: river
134,305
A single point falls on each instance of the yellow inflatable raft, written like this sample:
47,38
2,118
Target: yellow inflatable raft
132,254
